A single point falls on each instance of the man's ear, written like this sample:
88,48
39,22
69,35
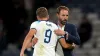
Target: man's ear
48,16
57,14
37,17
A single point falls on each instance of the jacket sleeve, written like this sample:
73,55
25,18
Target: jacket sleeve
74,37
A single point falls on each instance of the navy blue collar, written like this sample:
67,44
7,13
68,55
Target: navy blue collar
43,20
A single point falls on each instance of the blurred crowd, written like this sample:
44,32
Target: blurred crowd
17,15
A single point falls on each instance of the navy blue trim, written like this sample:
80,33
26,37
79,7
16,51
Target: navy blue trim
57,42
33,28
38,21
43,20
61,37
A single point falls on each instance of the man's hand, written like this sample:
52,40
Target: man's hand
34,40
22,53
72,46
59,32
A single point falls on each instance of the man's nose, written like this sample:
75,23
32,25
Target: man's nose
66,17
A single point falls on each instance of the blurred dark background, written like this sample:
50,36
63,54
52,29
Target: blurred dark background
17,15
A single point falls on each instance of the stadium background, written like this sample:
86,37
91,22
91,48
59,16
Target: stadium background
17,15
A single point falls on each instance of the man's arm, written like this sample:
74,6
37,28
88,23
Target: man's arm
32,43
65,44
74,37
27,40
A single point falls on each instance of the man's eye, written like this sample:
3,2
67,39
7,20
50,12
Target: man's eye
63,15
66,15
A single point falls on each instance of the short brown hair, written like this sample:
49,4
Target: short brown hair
62,8
42,12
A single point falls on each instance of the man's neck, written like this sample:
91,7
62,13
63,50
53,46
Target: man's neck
43,19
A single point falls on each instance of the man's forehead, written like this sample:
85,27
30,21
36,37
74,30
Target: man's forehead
64,12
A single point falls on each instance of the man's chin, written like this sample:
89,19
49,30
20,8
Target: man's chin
63,23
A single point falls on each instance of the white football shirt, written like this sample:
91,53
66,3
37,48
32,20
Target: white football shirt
59,50
47,39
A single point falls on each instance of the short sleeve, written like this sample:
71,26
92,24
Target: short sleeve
59,37
33,26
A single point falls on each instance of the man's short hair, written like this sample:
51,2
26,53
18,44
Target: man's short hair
42,12
62,8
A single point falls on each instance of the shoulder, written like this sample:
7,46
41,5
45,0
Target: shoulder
36,22
70,25
53,24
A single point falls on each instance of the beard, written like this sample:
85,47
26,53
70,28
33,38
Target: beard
63,22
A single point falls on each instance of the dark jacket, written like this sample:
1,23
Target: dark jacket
73,37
